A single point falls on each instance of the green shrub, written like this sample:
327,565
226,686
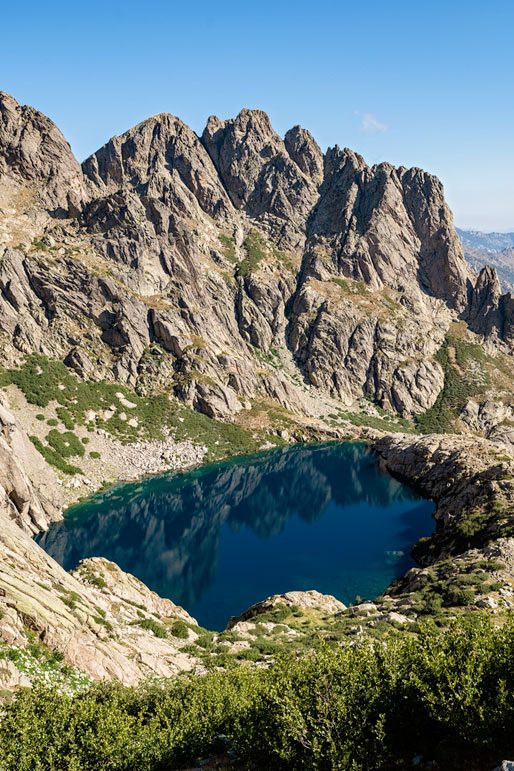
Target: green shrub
103,622
180,630
461,596
53,458
40,379
98,581
254,246
228,247
95,454
85,440
351,287
65,417
153,626
67,444
469,379
52,422
40,416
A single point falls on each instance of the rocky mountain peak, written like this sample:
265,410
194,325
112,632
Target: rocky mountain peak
303,149
260,175
240,241
485,307
34,155
160,158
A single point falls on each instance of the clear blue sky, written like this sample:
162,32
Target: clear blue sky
417,83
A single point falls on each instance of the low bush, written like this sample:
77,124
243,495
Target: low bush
65,417
153,626
53,458
67,444
180,630
446,695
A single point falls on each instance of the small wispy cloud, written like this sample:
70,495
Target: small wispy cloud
370,124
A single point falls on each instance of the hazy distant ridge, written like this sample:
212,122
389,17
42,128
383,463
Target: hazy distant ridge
496,249
486,242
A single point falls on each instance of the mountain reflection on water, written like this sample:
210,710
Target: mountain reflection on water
219,538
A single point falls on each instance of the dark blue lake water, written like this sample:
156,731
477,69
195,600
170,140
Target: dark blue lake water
221,537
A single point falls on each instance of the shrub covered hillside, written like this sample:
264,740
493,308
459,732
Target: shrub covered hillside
447,696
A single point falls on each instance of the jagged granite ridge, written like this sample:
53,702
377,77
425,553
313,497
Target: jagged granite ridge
213,247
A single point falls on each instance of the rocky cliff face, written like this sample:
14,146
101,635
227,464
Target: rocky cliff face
93,617
36,159
223,248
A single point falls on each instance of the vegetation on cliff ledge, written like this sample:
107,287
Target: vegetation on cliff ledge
465,375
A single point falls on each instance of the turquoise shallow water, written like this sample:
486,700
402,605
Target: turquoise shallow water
221,537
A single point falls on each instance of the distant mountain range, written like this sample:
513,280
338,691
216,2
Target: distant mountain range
496,249
486,242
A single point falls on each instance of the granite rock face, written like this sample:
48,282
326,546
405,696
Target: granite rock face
92,617
34,153
223,248
29,489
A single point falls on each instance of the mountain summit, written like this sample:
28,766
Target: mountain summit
233,266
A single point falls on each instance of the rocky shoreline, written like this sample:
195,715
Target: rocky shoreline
108,624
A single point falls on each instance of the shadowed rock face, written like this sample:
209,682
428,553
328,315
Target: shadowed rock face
214,246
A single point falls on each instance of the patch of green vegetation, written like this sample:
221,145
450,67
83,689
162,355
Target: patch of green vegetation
64,416
391,425
53,458
254,246
70,599
39,244
39,378
369,707
283,258
40,663
101,621
180,629
228,247
94,454
467,379
472,522
153,626
349,286
40,416
52,422
85,572
490,565
270,357
98,581
67,444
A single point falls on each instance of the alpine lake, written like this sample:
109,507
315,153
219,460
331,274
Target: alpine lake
220,537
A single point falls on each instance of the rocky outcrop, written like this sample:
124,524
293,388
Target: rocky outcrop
35,155
101,619
490,313
470,480
29,492
386,227
310,599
